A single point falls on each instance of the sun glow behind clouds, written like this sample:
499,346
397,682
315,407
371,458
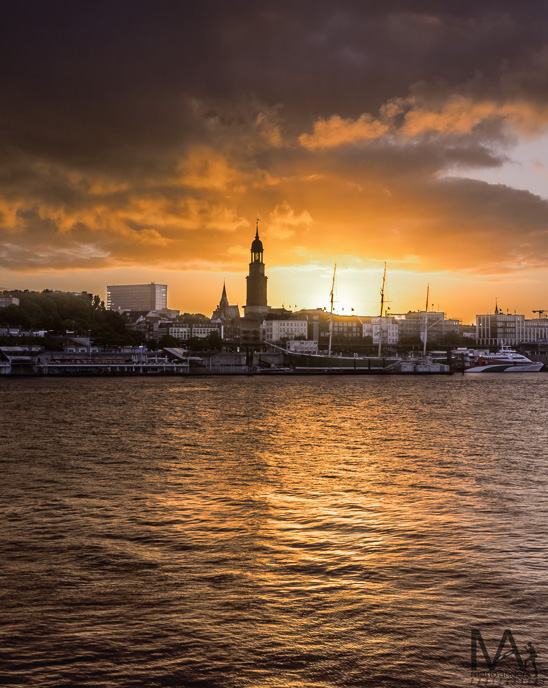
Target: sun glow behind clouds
356,290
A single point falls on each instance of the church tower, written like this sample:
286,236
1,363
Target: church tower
256,306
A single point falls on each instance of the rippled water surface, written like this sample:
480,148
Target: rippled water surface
245,531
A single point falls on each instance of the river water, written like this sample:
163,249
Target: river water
290,531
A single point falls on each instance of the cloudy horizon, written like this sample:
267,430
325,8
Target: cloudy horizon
141,141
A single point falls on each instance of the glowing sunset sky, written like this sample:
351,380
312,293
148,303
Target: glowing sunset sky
140,140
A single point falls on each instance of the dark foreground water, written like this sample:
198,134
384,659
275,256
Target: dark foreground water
271,532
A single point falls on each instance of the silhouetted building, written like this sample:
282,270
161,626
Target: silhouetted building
256,307
228,317
137,297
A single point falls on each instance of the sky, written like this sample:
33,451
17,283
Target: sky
140,141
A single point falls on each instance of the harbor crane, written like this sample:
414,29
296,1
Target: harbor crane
540,311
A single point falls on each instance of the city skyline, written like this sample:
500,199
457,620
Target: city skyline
412,136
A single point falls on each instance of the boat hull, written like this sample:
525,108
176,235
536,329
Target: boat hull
316,363
506,368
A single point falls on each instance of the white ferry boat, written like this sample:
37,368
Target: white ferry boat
506,360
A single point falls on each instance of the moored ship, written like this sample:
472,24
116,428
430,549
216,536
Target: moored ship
506,360
322,363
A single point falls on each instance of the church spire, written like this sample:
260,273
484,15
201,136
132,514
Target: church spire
256,280
224,297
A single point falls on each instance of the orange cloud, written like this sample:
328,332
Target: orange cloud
456,116
205,168
283,221
337,131
459,115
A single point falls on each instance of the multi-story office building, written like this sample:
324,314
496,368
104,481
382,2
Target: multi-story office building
137,297
495,329
536,330
510,329
275,330
415,323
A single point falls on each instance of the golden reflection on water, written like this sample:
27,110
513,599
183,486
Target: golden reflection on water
360,497
314,532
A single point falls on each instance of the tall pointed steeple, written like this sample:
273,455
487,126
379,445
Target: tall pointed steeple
224,297
256,301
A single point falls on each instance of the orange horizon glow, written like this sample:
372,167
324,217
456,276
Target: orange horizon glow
307,287
441,175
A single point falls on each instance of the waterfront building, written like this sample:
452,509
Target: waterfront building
256,307
136,297
318,323
276,330
496,329
510,329
203,330
347,327
195,330
383,328
180,332
536,330
413,324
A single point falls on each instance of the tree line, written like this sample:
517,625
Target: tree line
60,312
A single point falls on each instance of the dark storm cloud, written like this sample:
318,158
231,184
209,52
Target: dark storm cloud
82,78
136,132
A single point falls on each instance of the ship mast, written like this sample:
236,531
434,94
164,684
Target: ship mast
426,320
382,308
331,312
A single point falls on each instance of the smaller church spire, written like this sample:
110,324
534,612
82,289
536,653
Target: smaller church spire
257,230
496,306
224,298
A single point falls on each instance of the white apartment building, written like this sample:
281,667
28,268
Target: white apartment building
384,328
275,330
200,331
181,332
